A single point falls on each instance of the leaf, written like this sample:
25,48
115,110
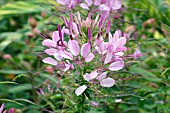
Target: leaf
144,73
24,100
20,7
8,100
8,82
19,76
12,72
19,88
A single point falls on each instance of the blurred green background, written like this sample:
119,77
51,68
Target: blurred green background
144,85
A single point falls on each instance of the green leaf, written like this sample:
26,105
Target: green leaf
25,100
19,88
12,72
19,76
144,73
8,100
20,7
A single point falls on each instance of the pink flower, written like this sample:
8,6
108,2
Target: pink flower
104,82
74,49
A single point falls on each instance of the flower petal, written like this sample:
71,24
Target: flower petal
90,76
85,49
89,2
55,36
2,107
87,77
117,65
75,28
108,57
80,90
107,82
74,47
102,76
97,2
93,74
58,56
89,57
49,43
66,54
104,7
115,4
121,41
84,6
50,60
63,2
51,51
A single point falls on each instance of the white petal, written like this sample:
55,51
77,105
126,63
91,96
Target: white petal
107,82
80,90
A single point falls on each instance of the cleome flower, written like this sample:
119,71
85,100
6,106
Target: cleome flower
78,44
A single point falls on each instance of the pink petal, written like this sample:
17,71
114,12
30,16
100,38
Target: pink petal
104,7
49,43
89,2
66,54
49,60
108,57
63,2
105,14
84,6
115,4
5,111
2,107
102,76
87,77
74,47
97,2
58,56
55,36
119,54
107,82
121,41
90,76
75,28
93,74
80,90
51,51
66,31
117,65
85,49
116,36
89,57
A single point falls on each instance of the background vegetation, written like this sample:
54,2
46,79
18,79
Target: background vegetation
143,85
